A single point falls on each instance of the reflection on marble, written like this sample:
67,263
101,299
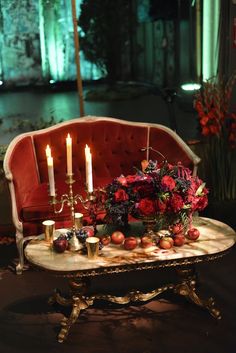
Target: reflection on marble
216,237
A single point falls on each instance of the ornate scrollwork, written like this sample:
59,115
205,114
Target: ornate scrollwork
144,266
186,287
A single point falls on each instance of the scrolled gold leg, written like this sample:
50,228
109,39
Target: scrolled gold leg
79,304
66,323
77,300
59,299
187,288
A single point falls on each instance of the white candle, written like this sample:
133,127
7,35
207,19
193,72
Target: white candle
51,176
87,151
48,151
88,169
90,173
69,154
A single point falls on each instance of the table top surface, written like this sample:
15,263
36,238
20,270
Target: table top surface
215,239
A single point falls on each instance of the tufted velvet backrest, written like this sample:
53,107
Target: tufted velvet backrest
115,148
170,145
115,145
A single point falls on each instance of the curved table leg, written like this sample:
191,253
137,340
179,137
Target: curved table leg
78,303
66,323
187,288
59,299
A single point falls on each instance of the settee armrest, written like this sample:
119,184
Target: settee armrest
21,172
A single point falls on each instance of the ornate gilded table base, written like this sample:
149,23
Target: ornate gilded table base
79,301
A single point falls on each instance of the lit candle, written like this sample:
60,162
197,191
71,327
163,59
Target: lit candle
51,176
88,169
48,151
69,154
87,151
90,173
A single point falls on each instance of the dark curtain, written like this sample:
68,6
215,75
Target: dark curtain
224,38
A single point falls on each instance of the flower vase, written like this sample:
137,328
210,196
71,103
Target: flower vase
149,226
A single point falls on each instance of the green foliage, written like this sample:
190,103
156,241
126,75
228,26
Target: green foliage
23,125
104,34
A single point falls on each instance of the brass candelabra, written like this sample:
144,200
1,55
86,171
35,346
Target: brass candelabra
92,203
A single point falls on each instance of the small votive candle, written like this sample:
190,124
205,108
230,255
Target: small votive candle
49,229
92,244
78,220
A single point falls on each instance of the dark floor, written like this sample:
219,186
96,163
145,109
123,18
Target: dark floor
29,324
169,324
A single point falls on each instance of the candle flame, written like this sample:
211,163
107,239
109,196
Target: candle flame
48,151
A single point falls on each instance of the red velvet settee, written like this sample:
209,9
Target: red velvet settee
116,149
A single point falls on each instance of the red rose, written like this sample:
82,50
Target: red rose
146,207
144,190
168,182
176,202
169,166
161,206
121,195
122,180
202,203
199,203
132,178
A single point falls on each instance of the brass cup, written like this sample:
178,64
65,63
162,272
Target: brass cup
49,229
92,244
78,220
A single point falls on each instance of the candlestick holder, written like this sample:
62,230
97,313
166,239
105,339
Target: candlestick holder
92,202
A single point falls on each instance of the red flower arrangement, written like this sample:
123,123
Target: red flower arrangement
218,128
166,193
212,104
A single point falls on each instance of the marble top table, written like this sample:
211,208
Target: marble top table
215,238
